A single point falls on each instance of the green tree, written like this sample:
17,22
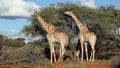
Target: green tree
103,21
18,42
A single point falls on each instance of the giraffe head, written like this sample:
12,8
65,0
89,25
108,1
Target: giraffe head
69,12
36,12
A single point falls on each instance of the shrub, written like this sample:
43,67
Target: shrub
115,62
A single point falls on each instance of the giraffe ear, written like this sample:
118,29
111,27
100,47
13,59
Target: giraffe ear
36,9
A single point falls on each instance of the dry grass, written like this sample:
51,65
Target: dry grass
65,64
36,56
77,64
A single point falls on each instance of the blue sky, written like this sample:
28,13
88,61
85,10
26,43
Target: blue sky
8,24
15,19
107,2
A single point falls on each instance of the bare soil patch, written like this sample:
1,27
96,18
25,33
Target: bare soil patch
96,64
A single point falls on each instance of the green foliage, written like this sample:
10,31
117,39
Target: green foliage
103,21
107,17
2,39
28,29
18,42
6,43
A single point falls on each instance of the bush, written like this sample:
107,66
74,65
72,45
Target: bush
25,54
115,62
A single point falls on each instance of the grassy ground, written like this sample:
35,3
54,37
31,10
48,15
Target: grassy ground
65,64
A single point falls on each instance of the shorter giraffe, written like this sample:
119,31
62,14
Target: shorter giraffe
85,36
53,35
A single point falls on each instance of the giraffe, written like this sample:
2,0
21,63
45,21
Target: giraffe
85,37
53,35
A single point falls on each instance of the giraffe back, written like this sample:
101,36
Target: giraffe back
87,35
58,36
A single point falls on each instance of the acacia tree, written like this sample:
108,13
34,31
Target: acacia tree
103,21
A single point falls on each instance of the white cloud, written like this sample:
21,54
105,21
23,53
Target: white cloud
16,8
88,3
11,34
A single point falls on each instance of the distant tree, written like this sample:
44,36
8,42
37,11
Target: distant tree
2,39
18,42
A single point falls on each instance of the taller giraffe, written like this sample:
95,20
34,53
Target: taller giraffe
85,36
53,35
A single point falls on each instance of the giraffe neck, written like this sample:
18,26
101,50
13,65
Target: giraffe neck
79,24
47,27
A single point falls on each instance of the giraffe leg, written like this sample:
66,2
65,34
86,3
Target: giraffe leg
91,56
82,52
82,49
77,53
51,47
63,52
60,54
63,44
86,50
51,58
51,52
92,42
54,57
